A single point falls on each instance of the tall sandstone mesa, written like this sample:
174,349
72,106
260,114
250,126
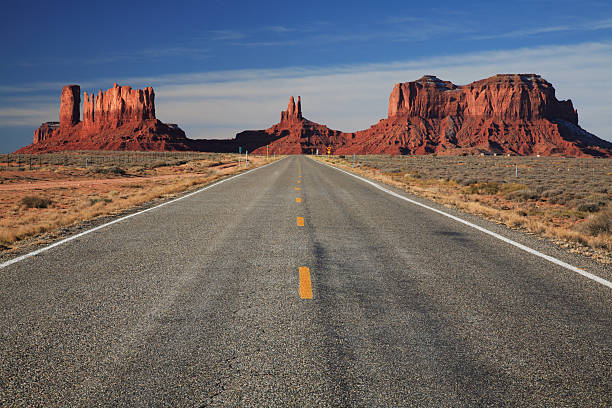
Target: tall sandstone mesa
120,118
504,114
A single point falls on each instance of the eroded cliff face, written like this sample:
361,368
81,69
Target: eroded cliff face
70,105
506,97
120,118
505,114
117,106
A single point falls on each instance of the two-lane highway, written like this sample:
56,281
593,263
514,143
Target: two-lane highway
299,285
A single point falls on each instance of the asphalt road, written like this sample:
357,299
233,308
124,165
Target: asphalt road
202,303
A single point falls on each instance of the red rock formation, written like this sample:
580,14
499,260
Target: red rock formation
121,118
292,135
504,97
505,114
70,103
293,112
45,131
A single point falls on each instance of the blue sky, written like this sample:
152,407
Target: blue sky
219,67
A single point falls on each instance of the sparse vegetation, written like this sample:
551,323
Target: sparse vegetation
565,199
35,202
81,186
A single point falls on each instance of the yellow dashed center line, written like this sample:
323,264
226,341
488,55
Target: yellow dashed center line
297,189
299,181
305,284
298,199
300,221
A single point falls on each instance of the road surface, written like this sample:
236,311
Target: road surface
298,285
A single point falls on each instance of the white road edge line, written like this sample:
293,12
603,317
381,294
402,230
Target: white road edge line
479,228
80,234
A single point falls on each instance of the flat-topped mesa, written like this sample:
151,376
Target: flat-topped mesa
293,112
117,106
507,97
70,104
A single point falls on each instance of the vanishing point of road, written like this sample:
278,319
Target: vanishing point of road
298,285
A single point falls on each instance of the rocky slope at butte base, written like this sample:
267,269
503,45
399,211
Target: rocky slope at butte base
515,114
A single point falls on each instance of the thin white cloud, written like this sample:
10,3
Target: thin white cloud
23,116
353,97
526,32
225,35
278,29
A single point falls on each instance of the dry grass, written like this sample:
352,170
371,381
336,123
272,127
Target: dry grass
566,200
62,191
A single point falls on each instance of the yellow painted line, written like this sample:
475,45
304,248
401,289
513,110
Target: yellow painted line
305,284
300,221
297,189
298,199
300,176
299,181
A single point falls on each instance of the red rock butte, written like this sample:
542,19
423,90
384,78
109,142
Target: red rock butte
515,114
120,118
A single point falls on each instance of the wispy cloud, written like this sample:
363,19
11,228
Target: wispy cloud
353,97
526,32
350,97
194,53
278,29
21,116
226,35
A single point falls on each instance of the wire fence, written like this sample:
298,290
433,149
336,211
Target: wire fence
87,159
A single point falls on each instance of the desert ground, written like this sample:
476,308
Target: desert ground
568,200
44,197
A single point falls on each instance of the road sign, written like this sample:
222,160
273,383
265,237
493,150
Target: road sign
239,149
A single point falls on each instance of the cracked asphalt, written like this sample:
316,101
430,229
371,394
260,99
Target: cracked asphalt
197,303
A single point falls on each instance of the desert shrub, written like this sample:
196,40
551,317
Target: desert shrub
598,223
561,199
471,189
108,170
489,187
35,202
522,195
414,174
94,200
588,207
466,181
552,193
164,163
512,187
